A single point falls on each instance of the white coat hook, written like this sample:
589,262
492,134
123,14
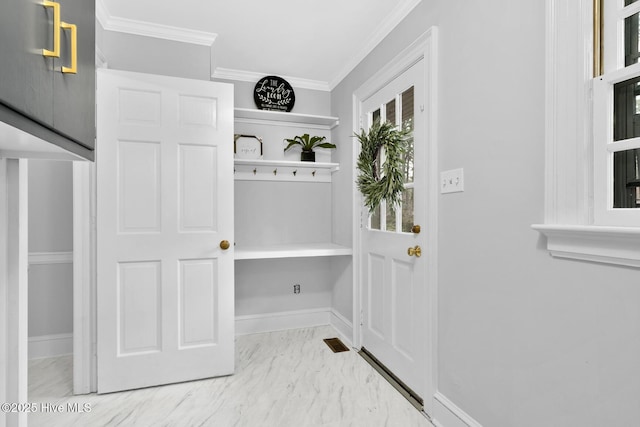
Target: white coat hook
275,171
313,173
295,172
255,171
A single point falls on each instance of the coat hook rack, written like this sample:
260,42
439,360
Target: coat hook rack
281,170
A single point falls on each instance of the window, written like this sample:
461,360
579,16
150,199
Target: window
592,133
398,111
616,135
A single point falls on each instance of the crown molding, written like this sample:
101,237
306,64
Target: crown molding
252,76
381,32
148,29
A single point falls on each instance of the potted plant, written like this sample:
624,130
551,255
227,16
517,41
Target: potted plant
308,143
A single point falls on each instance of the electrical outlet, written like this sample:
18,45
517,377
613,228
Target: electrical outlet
296,289
452,181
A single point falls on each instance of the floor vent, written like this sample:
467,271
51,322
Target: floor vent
404,389
336,345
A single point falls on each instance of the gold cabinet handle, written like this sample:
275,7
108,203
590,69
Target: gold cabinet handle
224,245
73,29
415,229
417,251
56,29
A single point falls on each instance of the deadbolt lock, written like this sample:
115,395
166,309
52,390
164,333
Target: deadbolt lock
417,251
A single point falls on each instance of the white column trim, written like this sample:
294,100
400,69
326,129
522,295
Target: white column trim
568,133
4,280
14,204
84,278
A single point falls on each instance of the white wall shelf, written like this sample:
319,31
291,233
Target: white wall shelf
292,250
283,170
281,118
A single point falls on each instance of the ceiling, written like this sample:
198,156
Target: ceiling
315,43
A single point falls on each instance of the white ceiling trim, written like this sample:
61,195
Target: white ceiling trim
252,76
136,27
148,29
382,31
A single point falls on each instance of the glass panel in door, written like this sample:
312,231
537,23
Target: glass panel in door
399,111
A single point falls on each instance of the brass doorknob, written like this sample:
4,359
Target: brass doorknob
417,251
415,229
224,245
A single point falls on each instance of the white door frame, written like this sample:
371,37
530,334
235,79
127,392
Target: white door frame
84,278
425,47
84,270
14,256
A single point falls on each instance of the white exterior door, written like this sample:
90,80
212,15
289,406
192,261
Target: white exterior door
393,282
165,202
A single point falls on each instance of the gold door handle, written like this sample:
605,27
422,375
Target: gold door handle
224,245
56,29
417,251
415,229
73,69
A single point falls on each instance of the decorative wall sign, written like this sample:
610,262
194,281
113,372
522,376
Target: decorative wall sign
247,146
274,93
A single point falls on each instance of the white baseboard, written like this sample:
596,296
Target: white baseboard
448,414
50,345
270,322
343,326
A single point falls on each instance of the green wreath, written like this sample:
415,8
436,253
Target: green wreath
388,185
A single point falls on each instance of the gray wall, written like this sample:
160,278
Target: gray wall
50,231
268,212
151,55
524,339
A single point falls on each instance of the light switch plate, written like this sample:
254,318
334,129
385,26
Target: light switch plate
452,181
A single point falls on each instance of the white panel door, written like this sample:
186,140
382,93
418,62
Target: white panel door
393,282
165,202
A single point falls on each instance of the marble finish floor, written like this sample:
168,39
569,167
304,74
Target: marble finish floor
283,379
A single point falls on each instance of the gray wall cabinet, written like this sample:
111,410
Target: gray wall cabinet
35,95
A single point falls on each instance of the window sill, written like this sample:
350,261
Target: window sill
609,245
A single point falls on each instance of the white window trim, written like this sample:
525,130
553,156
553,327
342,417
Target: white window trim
569,166
604,148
